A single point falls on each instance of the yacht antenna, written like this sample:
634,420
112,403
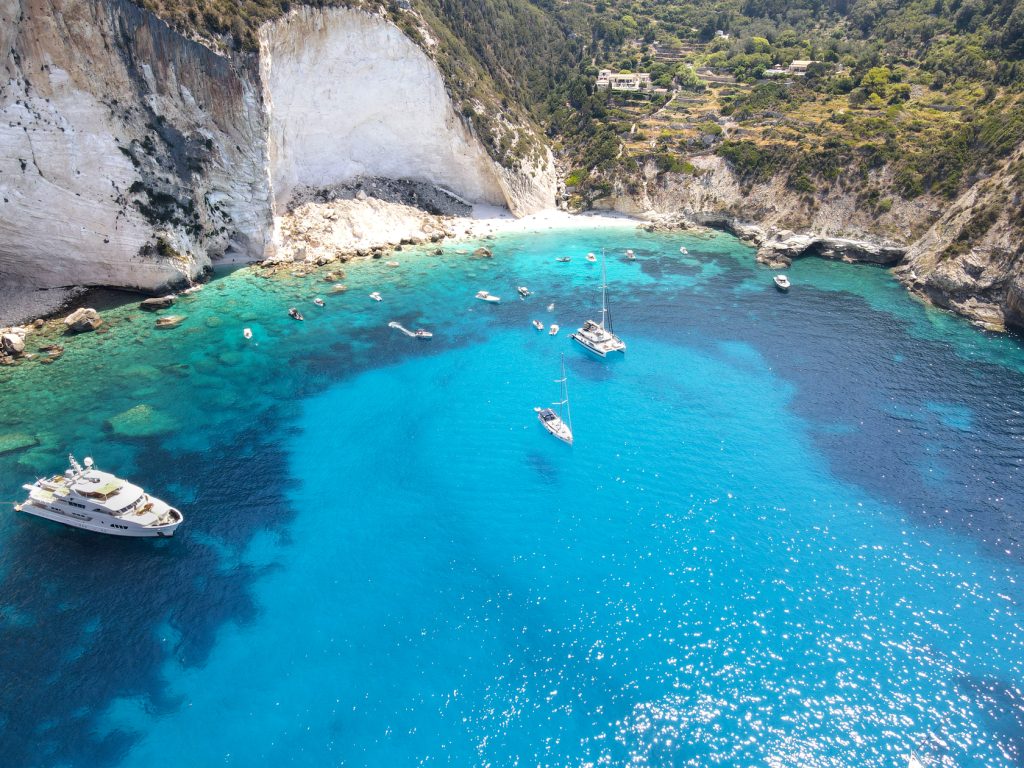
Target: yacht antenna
74,464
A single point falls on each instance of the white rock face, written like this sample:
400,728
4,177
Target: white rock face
350,95
128,155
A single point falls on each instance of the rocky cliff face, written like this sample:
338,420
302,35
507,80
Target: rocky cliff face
130,154
967,256
133,156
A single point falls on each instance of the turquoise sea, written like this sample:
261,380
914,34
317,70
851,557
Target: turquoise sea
789,533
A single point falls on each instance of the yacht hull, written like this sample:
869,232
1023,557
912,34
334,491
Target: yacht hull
102,523
597,350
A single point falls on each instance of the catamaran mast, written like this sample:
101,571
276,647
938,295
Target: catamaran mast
565,397
606,315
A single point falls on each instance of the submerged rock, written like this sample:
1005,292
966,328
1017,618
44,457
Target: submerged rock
82,320
157,302
16,441
142,421
483,253
170,321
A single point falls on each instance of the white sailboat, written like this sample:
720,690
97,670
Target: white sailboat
598,337
551,419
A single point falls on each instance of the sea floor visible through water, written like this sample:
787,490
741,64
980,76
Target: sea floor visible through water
789,532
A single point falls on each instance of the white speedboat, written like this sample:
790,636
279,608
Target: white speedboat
682,250
630,255
294,314
553,331
485,296
591,257
538,325
551,419
376,296
247,332
98,501
318,301
421,333
598,337
523,291
781,282
563,259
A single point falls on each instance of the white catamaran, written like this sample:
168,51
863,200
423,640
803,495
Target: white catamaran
598,337
551,419
99,501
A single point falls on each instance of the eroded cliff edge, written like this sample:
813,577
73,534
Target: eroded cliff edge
133,156
965,255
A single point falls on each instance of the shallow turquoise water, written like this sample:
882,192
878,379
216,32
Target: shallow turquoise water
789,532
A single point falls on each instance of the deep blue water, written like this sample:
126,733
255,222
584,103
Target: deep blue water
789,532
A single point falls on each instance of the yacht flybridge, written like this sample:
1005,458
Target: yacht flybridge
98,501
598,337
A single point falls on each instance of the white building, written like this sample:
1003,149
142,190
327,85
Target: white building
628,81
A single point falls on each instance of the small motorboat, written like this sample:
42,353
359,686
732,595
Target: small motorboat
683,250
247,332
523,291
538,325
295,314
553,331
563,259
630,255
591,257
485,296
421,333
376,296
318,301
781,282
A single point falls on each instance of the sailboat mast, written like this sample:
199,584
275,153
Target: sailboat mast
604,286
606,315
565,397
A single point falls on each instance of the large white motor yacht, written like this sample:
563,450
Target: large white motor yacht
99,501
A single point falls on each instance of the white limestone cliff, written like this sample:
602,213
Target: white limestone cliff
130,155
350,96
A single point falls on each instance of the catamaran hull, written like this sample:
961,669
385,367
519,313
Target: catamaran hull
599,352
97,524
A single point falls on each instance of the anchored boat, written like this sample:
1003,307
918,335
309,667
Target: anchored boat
598,337
551,419
99,501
